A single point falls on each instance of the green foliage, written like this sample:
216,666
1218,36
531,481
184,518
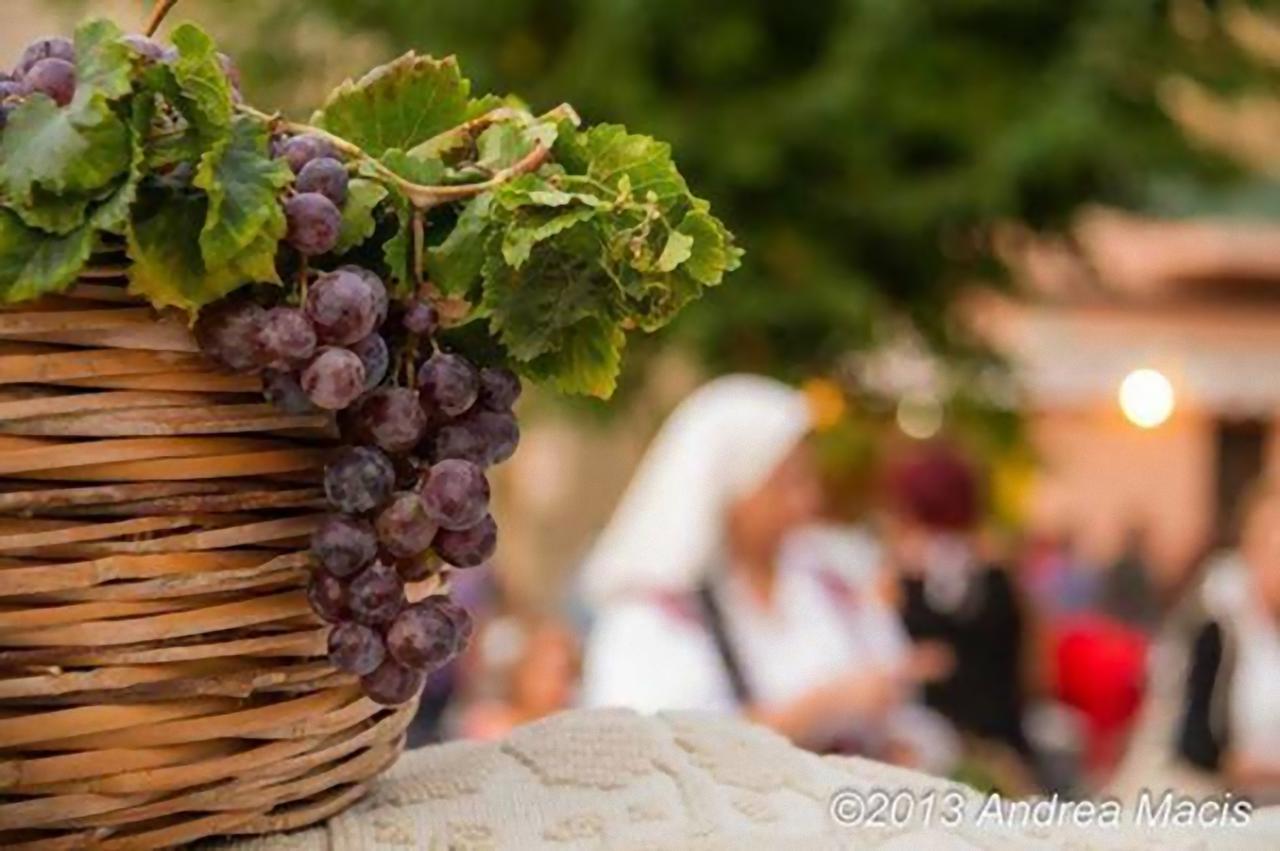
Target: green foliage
552,239
398,105
242,182
564,257
858,146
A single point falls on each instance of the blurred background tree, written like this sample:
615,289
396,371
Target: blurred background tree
859,147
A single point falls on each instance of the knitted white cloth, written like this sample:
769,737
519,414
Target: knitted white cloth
611,779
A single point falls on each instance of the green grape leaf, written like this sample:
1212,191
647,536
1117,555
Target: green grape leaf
76,150
168,265
33,263
242,182
678,249
358,223
504,144
608,154
533,190
398,105
66,151
204,94
562,284
712,253
520,238
415,168
57,214
104,64
73,151
454,265
587,362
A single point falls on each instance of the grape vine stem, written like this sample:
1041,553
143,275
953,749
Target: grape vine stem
421,196
158,12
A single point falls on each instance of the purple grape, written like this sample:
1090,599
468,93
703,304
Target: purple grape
328,596
393,684
499,433
227,332
381,301
355,648
375,356
376,596
145,47
462,620
286,339
10,88
313,223
342,306
297,151
421,318
455,493
334,379
422,637
343,544
53,77
359,479
460,438
468,547
418,568
283,390
393,418
450,382
326,176
404,528
50,47
499,388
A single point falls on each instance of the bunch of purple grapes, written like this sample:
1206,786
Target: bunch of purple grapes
48,67
408,491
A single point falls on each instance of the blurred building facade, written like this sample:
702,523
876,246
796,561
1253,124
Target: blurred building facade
1160,458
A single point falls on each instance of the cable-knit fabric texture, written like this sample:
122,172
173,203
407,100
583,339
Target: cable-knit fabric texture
615,780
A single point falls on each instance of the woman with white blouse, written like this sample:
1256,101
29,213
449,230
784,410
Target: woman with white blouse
715,591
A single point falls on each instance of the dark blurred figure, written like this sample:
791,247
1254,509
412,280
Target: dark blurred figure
1128,594
953,596
1230,723
1058,579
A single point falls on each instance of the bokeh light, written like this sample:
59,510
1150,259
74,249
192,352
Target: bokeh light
1146,398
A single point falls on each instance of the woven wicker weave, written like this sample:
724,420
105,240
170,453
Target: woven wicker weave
162,677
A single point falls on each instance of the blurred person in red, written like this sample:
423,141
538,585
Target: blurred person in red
699,605
951,593
1230,720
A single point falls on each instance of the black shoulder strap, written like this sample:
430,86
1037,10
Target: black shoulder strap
728,656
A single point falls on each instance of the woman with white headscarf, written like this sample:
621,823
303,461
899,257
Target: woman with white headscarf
700,608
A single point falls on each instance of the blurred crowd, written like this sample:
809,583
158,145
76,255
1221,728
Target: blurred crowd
915,636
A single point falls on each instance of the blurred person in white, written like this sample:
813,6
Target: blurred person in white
707,599
1230,722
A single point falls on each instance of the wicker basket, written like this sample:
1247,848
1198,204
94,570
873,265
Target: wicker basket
162,677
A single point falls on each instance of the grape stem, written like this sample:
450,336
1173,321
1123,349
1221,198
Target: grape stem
421,196
158,12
